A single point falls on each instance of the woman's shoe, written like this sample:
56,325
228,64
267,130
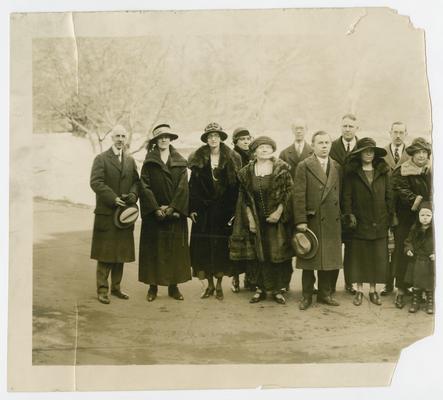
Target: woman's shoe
415,302
279,298
399,301
151,296
374,298
358,299
429,302
235,285
207,293
219,294
175,293
258,296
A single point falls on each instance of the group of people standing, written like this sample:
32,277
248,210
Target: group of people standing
258,214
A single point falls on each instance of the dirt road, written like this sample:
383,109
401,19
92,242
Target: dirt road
71,327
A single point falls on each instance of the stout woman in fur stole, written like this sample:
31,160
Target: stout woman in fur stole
213,191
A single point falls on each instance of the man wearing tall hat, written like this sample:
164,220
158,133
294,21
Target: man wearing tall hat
340,149
115,180
396,155
293,154
316,201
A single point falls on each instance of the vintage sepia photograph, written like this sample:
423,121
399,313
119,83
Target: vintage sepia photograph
224,187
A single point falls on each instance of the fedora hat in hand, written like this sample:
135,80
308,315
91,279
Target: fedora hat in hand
125,216
213,127
304,244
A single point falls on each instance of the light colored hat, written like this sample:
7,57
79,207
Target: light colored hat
125,216
163,130
305,244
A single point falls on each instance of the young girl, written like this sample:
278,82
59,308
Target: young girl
419,246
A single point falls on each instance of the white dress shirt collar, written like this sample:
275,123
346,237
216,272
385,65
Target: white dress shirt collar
352,143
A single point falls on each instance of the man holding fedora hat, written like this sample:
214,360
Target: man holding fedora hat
316,201
115,180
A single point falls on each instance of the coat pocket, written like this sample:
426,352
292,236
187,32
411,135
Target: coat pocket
103,223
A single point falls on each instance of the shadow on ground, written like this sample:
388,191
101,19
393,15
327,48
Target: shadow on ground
71,327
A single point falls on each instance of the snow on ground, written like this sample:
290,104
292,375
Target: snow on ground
62,162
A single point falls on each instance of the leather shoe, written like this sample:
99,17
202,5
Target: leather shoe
350,289
387,291
151,296
258,296
175,293
119,294
328,300
358,299
279,298
103,298
207,293
399,301
219,294
305,302
374,299
315,290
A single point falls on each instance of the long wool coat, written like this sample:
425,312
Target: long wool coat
164,250
214,203
371,204
280,193
109,180
338,152
408,181
290,156
316,201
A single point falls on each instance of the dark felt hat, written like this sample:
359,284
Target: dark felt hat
238,133
262,140
425,204
367,143
417,145
163,130
213,127
125,216
305,244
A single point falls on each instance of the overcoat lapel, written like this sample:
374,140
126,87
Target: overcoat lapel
362,176
332,179
114,159
314,166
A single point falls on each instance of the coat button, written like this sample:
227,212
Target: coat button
374,224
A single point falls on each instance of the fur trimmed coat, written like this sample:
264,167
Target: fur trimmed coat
280,193
212,195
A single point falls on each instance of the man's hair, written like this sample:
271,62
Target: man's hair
349,116
398,123
319,133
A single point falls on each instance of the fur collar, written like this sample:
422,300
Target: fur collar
278,169
408,168
175,158
381,167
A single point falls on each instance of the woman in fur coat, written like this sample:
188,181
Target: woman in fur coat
213,191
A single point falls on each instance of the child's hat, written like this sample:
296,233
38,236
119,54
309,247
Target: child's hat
425,204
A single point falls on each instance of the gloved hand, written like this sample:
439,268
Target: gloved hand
129,198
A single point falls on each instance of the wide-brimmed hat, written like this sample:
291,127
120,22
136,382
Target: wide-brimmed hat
163,130
238,133
125,216
417,145
305,244
262,140
213,127
368,143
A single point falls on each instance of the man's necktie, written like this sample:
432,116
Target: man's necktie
348,148
396,155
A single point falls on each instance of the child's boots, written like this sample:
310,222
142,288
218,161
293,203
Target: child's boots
416,298
429,302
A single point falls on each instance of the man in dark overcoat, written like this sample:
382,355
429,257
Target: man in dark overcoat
396,155
340,149
316,201
292,155
115,180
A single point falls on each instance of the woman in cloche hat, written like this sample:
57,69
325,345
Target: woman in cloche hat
368,208
164,252
213,190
